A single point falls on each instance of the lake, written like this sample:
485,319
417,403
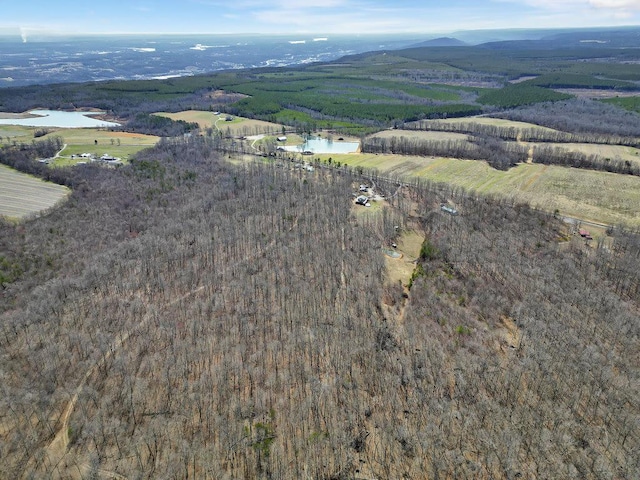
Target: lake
55,118
324,145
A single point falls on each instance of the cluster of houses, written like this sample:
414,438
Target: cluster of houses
106,158
363,199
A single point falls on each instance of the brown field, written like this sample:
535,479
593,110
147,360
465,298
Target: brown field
22,195
421,135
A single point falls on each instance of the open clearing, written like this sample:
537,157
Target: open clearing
118,144
82,140
234,126
15,133
22,195
400,269
428,135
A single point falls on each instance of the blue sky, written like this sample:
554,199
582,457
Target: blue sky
307,16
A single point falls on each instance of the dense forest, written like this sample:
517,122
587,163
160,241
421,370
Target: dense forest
182,317
204,312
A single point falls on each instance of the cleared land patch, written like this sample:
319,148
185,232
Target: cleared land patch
421,135
15,133
235,126
400,269
22,195
99,142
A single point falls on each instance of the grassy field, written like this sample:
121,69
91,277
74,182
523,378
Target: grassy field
117,144
15,133
22,195
588,195
82,140
421,135
236,126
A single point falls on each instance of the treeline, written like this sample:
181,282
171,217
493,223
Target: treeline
579,116
159,125
23,156
499,154
529,134
552,155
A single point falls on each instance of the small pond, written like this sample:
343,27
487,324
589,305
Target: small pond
324,145
55,118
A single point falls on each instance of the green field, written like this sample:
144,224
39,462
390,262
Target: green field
83,140
15,133
234,125
22,195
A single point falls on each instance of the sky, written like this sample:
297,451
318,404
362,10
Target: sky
27,17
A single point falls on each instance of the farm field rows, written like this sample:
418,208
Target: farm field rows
22,195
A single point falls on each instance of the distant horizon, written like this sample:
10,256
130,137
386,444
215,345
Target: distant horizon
38,36
309,17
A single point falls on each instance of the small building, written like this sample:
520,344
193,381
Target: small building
282,138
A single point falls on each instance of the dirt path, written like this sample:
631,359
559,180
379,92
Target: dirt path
529,151
534,178
58,449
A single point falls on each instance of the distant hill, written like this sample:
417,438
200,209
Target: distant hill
441,42
621,37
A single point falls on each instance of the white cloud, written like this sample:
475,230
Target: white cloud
625,4
567,4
